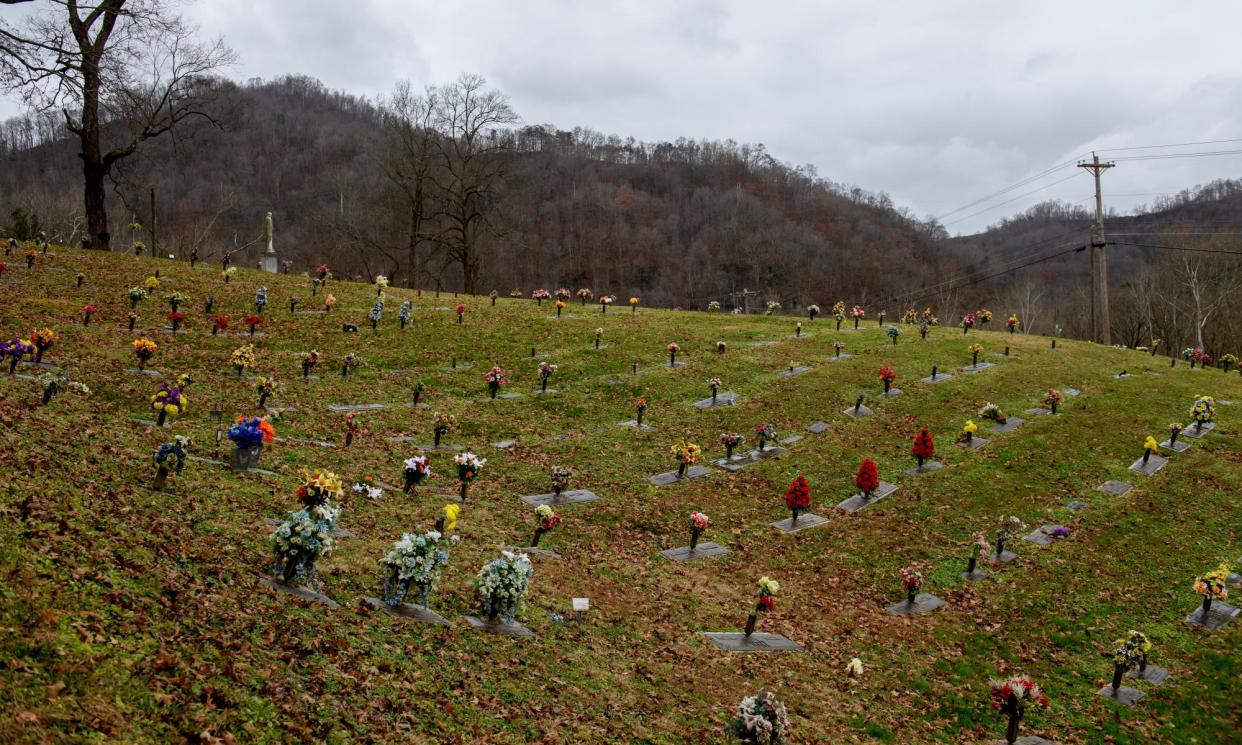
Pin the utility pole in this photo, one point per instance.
(153, 234)
(1101, 321)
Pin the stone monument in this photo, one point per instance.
(268, 262)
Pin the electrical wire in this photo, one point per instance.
(1176, 248)
(1010, 201)
(1007, 189)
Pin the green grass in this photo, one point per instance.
(133, 616)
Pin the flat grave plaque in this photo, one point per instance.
(835, 357)
(670, 477)
(542, 392)
(1193, 431)
(572, 496)
(1177, 447)
(504, 444)
(533, 551)
(724, 398)
(508, 396)
(861, 412)
(148, 372)
(1028, 740)
(859, 502)
(1076, 505)
(808, 520)
(791, 439)
(1004, 558)
(297, 591)
(816, 428)
(769, 451)
(979, 574)
(634, 423)
(1071, 392)
(975, 443)
(1152, 674)
(794, 372)
(502, 628)
(1154, 464)
(1122, 374)
(1010, 425)
(1116, 488)
(676, 364)
(151, 423)
(940, 378)
(1124, 695)
(927, 467)
(356, 407)
(1039, 411)
(762, 343)
(461, 366)
(1221, 614)
(702, 551)
(924, 602)
(413, 612)
(300, 441)
(1042, 536)
(419, 405)
(1234, 580)
(892, 393)
(976, 368)
(737, 641)
(735, 463)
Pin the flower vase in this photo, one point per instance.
(729, 452)
(13, 364)
(493, 389)
(1118, 671)
(681, 470)
(159, 420)
(305, 370)
(538, 535)
(1000, 548)
(291, 568)
(349, 438)
(1052, 406)
(39, 358)
(672, 359)
(161, 476)
(543, 385)
(262, 400)
(763, 443)
(437, 436)
(464, 486)
(910, 594)
(794, 519)
(131, 323)
(974, 359)
(1011, 730)
(919, 459)
(245, 459)
(838, 324)
(344, 370)
(1146, 457)
(47, 396)
(713, 396)
(970, 563)
(694, 538)
(886, 385)
(1207, 608)
(639, 419)
(409, 485)
(751, 620)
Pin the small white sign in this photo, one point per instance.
(582, 605)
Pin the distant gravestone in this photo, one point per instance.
(671, 477)
(857, 412)
(502, 628)
(1010, 425)
(940, 378)
(298, 591)
(973, 443)
(724, 398)
(804, 521)
(737, 641)
(1116, 488)
(927, 467)
(976, 367)
(702, 551)
(1195, 431)
(1154, 463)
(1220, 614)
(924, 602)
(816, 428)
(1124, 695)
(793, 372)
(413, 612)
(861, 502)
(572, 496)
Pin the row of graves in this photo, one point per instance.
(412, 566)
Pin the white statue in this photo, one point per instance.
(268, 261)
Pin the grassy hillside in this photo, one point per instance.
(130, 615)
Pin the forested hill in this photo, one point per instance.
(680, 222)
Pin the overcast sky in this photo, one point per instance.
(936, 103)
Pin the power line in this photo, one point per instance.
(1174, 156)
(1156, 147)
(1010, 201)
(1007, 189)
(1179, 248)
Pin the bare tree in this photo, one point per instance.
(121, 72)
(409, 120)
(1210, 283)
(470, 152)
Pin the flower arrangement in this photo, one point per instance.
(713, 306)
(698, 523)
(1013, 323)
(1212, 586)
(175, 451)
(563, 293)
(460, 310)
(168, 400)
(260, 298)
(15, 349)
(136, 295)
(730, 440)
(771, 307)
(247, 433)
(349, 363)
(993, 412)
(415, 470)
(1007, 527)
(151, 283)
(502, 585)
(376, 312)
(633, 305)
(975, 351)
(857, 313)
(243, 358)
(309, 360)
(761, 720)
(300, 541)
(545, 371)
(968, 431)
(585, 295)
(798, 496)
(495, 378)
(686, 454)
(88, 311)
(515, 293)
(924, 446)
(144, 350)
(403, 313)
(366, 485)
(52, 384)
(416, 560)
(540, 295)
(381, 282)
(1149, 447)
(837, 346)
(1011, 697)
(1202, 412)
(911, 316)
(887, 376)
(329, 302)
(1228, 362)
(984, 315)
(560, 307)
(766, 602)
(1052, 399)
(252, 321)
(968, 322)
(560, 477)
(867, 478)
(468, 467)
(441, 424)
(351, 427)
(43, 340)
(265, 388)
(175, 318)
(219, 323)
(979, 546)
(321, 272)
(812, 310)
(604, 302)
(893, 332)
(765, 431)
(227, 273)
(640, 406)
(911, 582)
(546, 520)
(447, 522)
(673, 349)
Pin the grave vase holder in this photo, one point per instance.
(694, 537)
(1015, 719)
(974, 359)
(438, 434)
(1118, 671)
(855, 322)
(1207, 608)
(493, 388)
(13, 364)
(395, 589)
(39, 356)
(245, 459)
(672, 359)
(131, 323)
(538, 536)
(161, 477)
(751, 620)
(910, 595)
(971, 563)
(159, 420)
(465, 485)
(681, 470)
(729, 452)
(1000, 547)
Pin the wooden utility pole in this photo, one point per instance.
(153, 251)
(1101, 321)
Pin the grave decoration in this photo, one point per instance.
(1052, 399)
(585, 295)
(349, 363)
(52, 384)
(1212, 586)
(887, 376)
(764, 431)
(260, 299)
(43, 340)
(893, 332)
(441, 424)
(515, 293)
(315, 283)
(243, 358)
(168, 400)
(798, 329)
(930, 318)
(992, 412)
(714, 384)
(812, 311)
(968, 432)
(545, 371)
(1142, 650)
(349, 328)
(417, 391)
(151, 283)
(673, 349)
(867, 479)
(768, 588)
(924, 447)
(604, 302)
(599, 333)
(798, 496)
(1011, 697)
(209, 302)
(968, 322)
(321, 273)
(381, 283)
(309, 360)
(560, 476)
(923, 330)
(248, 435)
(88, 311)
(771, 307)
(351, 427)
(175, 299)
(495, 378)
(713, 306)
(1202, 412)
(985, 317)
(468, 467)
(857, 313)
(911, 316)
(219, 323)
(699, 522)
(911, 582)
(377, 310)
(1126, 654)
(175, 318)
(633, 305)
(721, 347)
(132, 318)
(560, 307)
(144, 350)
(366, 485)
(414, 471)
(546, 520)
(540, 295)
(975, 351)
(640, 407)
(403, 313)
(329, 302)
(447, 521)
(686, 454)
(502, 586)
(880, 318)
(1008, 526)
(227, 273)
(730, 440)
(253, 321)
(30, 258)
(1228, 362)
(562, 293)
(1155, 343)
(169, 455)
(1192, 355)
(1175, 429)
(1013, 323)
(80, 279)
(286, 265)
(979, 546)
(414, 562)
(307, 535)
(184, 381)
(136, 295)
(760, 720)
(1150, 446)
(837, 346)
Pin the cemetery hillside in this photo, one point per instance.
(245, 506)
